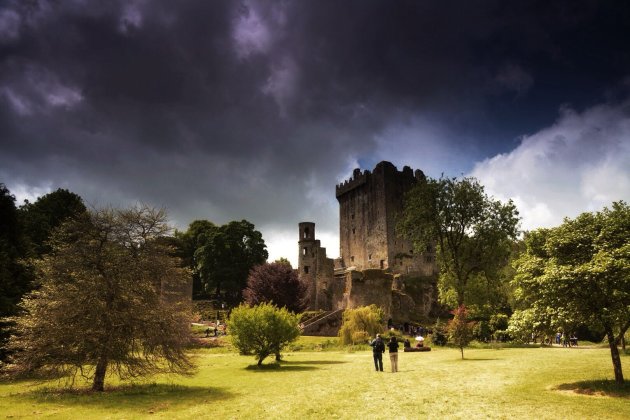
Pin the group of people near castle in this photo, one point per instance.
(378, 348)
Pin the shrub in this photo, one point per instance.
(440, 334)
(366, 320)
(262, 330)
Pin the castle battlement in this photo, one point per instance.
(358, 178)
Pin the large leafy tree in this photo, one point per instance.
(263, 330)
(15, 277)
(276, 283)
(107, 301)
(472, 231)
(187, 243)
(580, 271)
(227, 256)
(49, 211)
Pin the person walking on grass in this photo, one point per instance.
(393, 353)
(378, 348)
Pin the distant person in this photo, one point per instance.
(378, 348)
(558, 337)
(406, 343)
(393, 353)
(208, 332)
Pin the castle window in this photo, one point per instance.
(370, 257)
(306, 267)
(304, 251)
(352, 258)
(353, 231)
(382, 264)
(428, 259)
(306, 233)
(411, 251)
(352, 216)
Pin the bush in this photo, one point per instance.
(360, 322)
(262, 330)
(440, 334)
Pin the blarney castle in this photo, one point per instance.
(376, 266)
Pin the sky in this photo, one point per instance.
(230, 110)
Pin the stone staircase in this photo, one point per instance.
(325, 324)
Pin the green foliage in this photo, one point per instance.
(48, 212)
(473, 234)
(262, 330)
(460, 331)
(108, 301)
(440, 333)
(227, 255)
(366, 319)
(579, 273)
(187, 244)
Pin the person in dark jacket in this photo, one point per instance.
(393, 353)
(378, 348)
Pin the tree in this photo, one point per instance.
(47, 213)
(359, 324)
(459, 329)
(580, 271)
(188, 243)
(473, 233)
(262, 330)
(15, 276)
(106, 301)
(276, 283)
(224, 260)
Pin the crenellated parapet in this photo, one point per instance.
(358, 178)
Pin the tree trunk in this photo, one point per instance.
(99, 375)
(614, 352)
(462, 350)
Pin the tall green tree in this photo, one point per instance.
(472, 231)
(15, 276)
(227, 256)
(49, 211)
(188, 242)
(107, 301)
(580, 271)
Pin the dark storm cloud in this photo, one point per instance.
(255, 109)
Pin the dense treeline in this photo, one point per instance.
(24, 235)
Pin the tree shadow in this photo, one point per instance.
(313, 362)
(605, 388)
(479, 359)
(279, 367)
(150, 397)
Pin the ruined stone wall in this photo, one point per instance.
(314, 268)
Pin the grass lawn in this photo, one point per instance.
(490, 383)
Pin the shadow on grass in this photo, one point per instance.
(285, 366)
(313, 362)
(607, 388)
(278, 367)
(137, 396)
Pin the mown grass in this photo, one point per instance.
(543, 383)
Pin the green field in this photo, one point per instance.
(542, 383)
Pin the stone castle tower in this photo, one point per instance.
(374, 261)
(369, 205)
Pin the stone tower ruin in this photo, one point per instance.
(375, 264)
